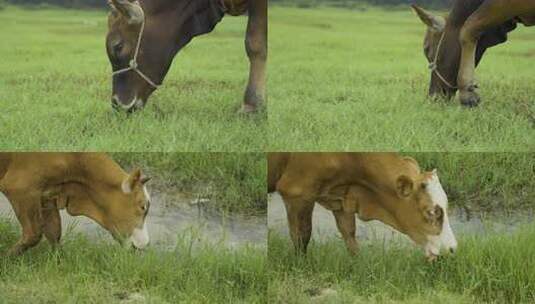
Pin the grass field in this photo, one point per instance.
(497, 268)
(84, 271)
(55, 89)
(236, 182)
(357, 80)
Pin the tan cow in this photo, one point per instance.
(376, 186)
(38, 185)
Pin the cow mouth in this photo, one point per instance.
(432, 254)
(441, 93)
(140, 237)
(432, 258)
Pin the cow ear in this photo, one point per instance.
(113, 8)
(130, 182)
(404, 186)
(412, 162)
(132, 11)
(437, 23)
(144, 179)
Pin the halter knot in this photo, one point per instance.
(133, 64)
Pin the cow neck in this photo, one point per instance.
(195, 18)
(375, 199)
(97, 172)
(462, 10)
(371, 206)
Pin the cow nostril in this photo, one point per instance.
(452, 250)
(137, 249)
(115, 104)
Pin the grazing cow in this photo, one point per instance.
(376, 186)
(38, 185)
(144, 37)
(455, 45)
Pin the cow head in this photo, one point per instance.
(442, 50)
(120, 208)
(421, 212)
(442, 46)
(131, 31)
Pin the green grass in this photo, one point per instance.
(497, 268)
(235, 181)
(484, 181)
(357, 80)
(55, 89)
(85, 271)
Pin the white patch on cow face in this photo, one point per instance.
(147, 194)
(140, 237)
(136, 103)
(125, 186)
(446, 239)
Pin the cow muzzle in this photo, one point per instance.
(139, 238)
(134, 105)
(443, 243)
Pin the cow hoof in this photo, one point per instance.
(247, 109)
(13, 251)
(354, 252)
(432, 258)
(469, 99)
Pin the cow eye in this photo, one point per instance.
(117, 48)
(435, 216)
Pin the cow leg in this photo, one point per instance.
(489, 14)
(30, 221)
(256, 47)
(299, 213)
(345, 222)
(50, 218)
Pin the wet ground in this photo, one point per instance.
(324, 225)
(172, 216)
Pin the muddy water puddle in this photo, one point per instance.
(173, 216)
(324, 225)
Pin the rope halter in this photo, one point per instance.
(434, 67)
(133, 66)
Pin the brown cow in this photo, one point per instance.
(376, 186)
(144, 37)
(455, 45)
(38, 185)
